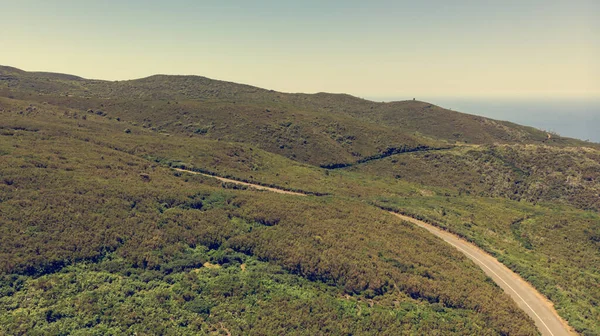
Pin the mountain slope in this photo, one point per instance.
(321, 129)
(72, 148)
(566, 175)
(78, 209)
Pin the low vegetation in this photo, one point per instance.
(95, 221)
(69, 201)
(567, 175)
(554, 247)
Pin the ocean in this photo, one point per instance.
(574, 118)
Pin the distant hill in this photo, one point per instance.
(323, 129)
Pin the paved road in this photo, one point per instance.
(529, 299)
(547, 320)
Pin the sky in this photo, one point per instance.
(435, 48)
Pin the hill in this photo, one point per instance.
(88, 196)
(568, 175)
(77, 209)
(320, 129)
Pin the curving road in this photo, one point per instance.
(528, 298)
(547, 320)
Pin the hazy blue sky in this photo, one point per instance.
(366, 48)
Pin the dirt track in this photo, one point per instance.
(527, 298)
(254, 186)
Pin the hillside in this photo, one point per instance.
(75, 208)
(320, 129)
(87, 196)
(567, 175)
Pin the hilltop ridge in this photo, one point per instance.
(346, 128)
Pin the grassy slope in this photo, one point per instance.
(486, 170)
(70, 197)
(533, 173)
(317, 129)
(554, 247)
(551, 244)
(193, 106)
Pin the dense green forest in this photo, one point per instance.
(99, 236)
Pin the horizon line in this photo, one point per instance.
(383, 98)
